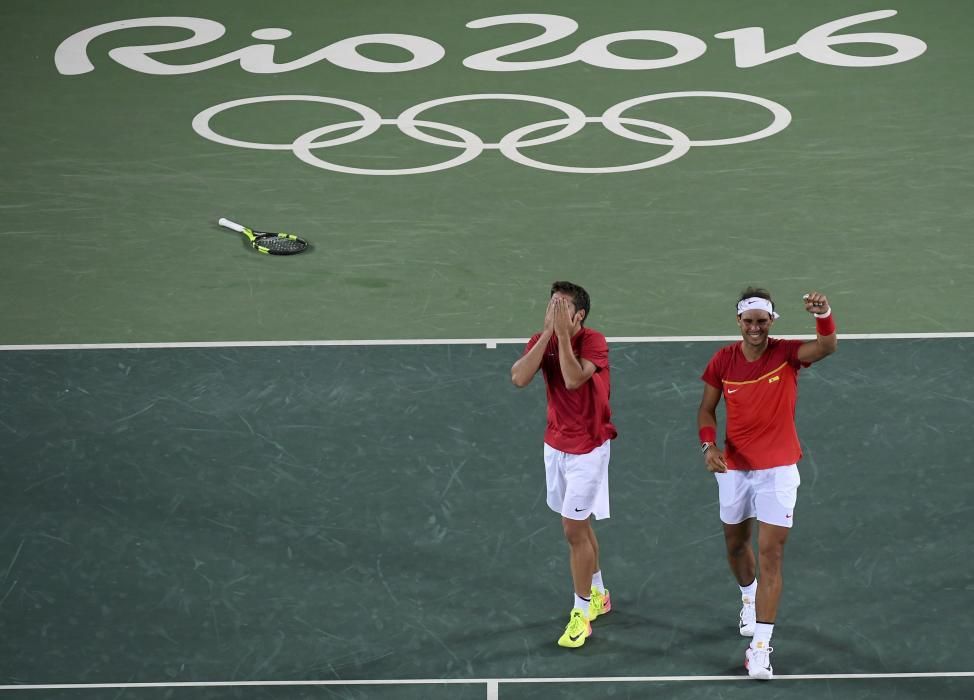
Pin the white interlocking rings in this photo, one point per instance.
(511, 145)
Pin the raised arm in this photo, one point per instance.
(523, 371)
(826, 342)
(574, 371)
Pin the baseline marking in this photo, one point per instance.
(490, 343)
(491, 683)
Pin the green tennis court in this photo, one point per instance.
(232, 475)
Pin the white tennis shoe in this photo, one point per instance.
(757, 661)
(748, 617)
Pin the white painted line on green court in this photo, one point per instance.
(489, 343)
(490, 682)
(268, 344)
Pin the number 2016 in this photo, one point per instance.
(71, 57)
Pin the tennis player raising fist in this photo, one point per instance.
(757, 471)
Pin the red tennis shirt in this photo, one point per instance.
(578, 420)
(760, 397)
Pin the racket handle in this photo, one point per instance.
(226, 223)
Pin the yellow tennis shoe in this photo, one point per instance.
(599, 603)
(577, 631)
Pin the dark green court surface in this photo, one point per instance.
(378, 513)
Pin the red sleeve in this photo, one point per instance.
(714, 371)
(595, 349)
(791, 353)
(531, 343)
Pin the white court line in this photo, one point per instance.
(491, 683)
(487, 342)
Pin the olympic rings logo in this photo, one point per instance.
(510, 145)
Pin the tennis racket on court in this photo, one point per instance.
(267, 242)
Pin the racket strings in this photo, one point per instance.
(281, 244)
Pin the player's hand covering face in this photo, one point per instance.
(564, 314)
(549, 316)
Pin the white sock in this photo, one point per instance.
(581, 603)
(597, 581)
(750, 592)
(762, 633)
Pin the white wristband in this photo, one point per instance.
(825, 315)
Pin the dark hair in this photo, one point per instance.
(758, 292)
(579, 296)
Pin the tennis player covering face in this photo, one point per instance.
(757, 471)
(575, 363)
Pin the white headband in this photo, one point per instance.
(756, 303)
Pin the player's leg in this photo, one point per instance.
(601, 601)
(595, 548)
(737, 513)
(585, 494)
(580, 537)
(776, 493)
(771, 550)
(740, 558)
(556, 481)
(740, 553)
(581, 558)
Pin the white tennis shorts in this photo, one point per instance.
(578, 485)
(766, 494)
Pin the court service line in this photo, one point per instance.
(487, 342)
(490, 682)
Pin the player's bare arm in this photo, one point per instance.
(707, 418)
(567, 322)
(523, 371)
(826, 341)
